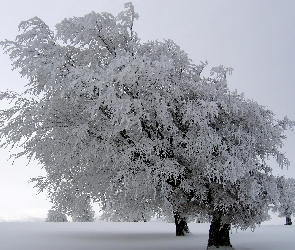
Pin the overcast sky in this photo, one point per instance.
(256, 38)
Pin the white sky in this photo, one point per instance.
(256, 38)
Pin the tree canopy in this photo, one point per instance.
(132, 124)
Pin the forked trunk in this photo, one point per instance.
(181, 225)
(218, 232)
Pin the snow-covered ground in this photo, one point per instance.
(137, 236)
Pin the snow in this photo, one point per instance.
(137, 235)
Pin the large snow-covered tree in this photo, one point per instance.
(130, 124)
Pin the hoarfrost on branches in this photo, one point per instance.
(130, 124)
(286, 205)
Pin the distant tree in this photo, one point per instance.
(131, 124)
(56, 216)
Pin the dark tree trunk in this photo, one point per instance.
(181, 225)
(186, 229)
(288, 220)
(218, 232)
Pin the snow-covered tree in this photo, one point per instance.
(56, 216)
(136, 125)
(286, 205)
(241, 186)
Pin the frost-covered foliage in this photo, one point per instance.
(286, 205)
(56, 216)
(82, 210)
(134, 125)
(130, 209)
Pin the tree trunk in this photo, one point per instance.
(288, 220)
(181, 225)
(218, 232)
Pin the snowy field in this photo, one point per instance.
(137, 236)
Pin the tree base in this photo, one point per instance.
(219, 233)
(288, 221)
(181, 225)
(220, 248)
